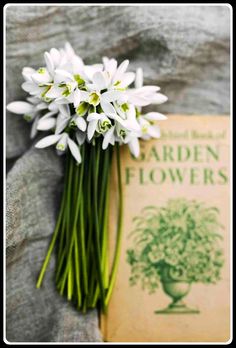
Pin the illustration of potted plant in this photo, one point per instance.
(175, 246)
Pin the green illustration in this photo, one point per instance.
(175, 246)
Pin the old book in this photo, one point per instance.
(173, 282)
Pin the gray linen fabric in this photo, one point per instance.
(185, 50)
(33, 315)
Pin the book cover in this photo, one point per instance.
(173, 282)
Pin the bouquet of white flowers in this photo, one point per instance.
(87, 109)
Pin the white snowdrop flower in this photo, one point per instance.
(61, 140)
(147, 129)
(117, 77)
(96, 94)
(65, 89)
(132, 141)
(29, 112)
(109, 138)
(79, 102)
(79, 121)
(97, 122)
(80, 137)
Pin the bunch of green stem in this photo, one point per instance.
(81, 232)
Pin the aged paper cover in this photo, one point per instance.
(190, 163)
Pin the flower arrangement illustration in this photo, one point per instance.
(87, 112)
(176, 245)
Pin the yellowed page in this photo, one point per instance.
(191, 161)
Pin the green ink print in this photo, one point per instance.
(176, 246)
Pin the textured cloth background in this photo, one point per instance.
(184, 50)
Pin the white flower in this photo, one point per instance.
(97, 122)
(29, 111)
(87, 101)
(117, 78)
(62, 140)
(97, 96)
(144, 95)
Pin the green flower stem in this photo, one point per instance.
(89, 247)
(68, 217)
(96, 219)
(55, 234)
(74, 229)
(102, 204)
(83, 251)
(77, 272)
(105, 239)
(119, 230)
(62, 233)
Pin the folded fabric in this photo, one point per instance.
(37, 315)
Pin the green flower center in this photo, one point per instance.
(28, 118)
(60, 147)
(125, 107)
(82, 109)
(104, 126)
(78, 79)
(94, 98)
(41, 71)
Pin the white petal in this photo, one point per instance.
(127, 79)
(81, 123)
(146, 90)
(154, 131)
(54, 92)
(53, 106)
(27, 72)
(155, 116)
(77, 97)
(48, 114)
(62, 100)
(111, 96)
(134, 147)
(33, 100)
(41, 78)
(30, 87)
(89, 70)
(91, 129)
(159, 98)
(62, 75)
(120, 71)
(62, 143)
(93, 116)
(77, 65)
(108, 138)
(49, 62)
(20, 107)
(42, 106)
(99, 80)
(55, 56)
(61, 123)
(47, 141)
(69, 50)
(139, 78)
(132, 122)
(74, 148)
(34, 131)
(110, 65)
(138, 100)
(123, 66)
(46, 124)
(108, 108)
(84, 96)
(64, 109)
(80, 137)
